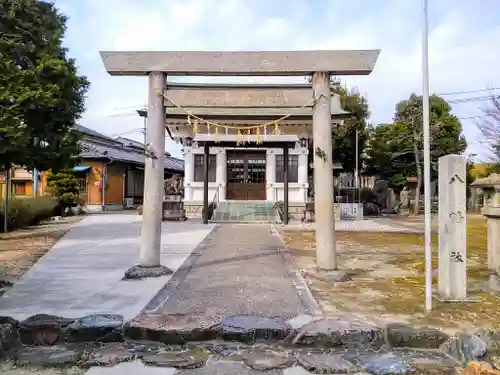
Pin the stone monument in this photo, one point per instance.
(173, 205)
(404, 205)
(452, 284)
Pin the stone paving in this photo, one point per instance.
(82, 273)
(240, 271)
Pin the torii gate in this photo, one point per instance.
(158, 65)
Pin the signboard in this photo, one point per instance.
(349, 211)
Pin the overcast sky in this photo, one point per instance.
(463, 47)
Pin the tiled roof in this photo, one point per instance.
(120, 149)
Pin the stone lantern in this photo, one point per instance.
(491, 190)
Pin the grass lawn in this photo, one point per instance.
(389, 281)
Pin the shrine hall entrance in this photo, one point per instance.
(246, 175)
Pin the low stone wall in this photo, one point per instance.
(193, 210)
(190, 341)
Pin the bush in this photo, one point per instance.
(279, 206)
(28, 211)
(66, 188)
(371, 209)
(367, 195)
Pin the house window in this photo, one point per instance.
(19, 188)
(199, 169)
(293, 168)
(82, 184)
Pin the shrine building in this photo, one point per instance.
(246, 130)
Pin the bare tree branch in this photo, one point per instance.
(489, 126)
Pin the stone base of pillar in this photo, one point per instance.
(141, 272)
(335, 276)
(494, 282)
(440, 298)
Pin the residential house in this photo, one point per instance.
(119, 162)
(21, 183)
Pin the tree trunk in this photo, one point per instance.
(416, 152)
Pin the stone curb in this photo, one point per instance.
(307, 299)
(162, 296)
(303, 332)
(69, 340)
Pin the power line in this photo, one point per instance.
(468, 92)
(469, 100)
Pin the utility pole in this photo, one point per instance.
(356, 172)
(6, 201)
(427, 160)
(144, 114)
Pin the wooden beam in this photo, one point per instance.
(248, 63)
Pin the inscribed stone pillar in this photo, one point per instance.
(153, 174)
(452, 228)
(326, 258)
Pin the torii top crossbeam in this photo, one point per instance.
(248, 63)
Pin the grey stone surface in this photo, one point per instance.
(110, 355)
(9, 337)
(383, 364)
(188, 359)
(326, 364)
(204, 358)
(265, 360)
(403, 335)
(208, 96)
(240, 272)
(54, 356)
(141, 272)
(300, 63)
(82, 273)
(336, 332)
(334, 276)
(43, 329)
(251, 328)
(465, 347)
(99, 327)
(494, 283)
(172, 329)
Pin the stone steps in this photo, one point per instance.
(244, 212)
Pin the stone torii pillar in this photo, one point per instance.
(149, 261)
(326, 257)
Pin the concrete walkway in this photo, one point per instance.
(82, 273)
(240, 271)
(380, 224)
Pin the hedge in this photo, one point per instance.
(24, 212)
